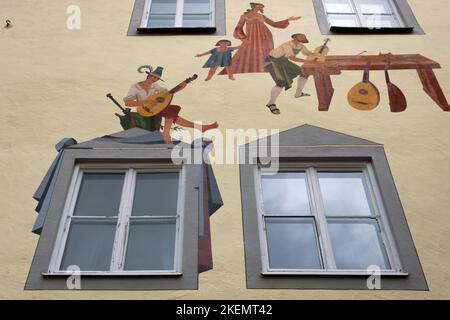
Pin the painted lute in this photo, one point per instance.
(397, 100)
(365, 95)
(157, 102)
(320, 53)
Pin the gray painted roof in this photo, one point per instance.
(131, 138)
(309, 135)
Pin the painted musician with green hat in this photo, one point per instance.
(140, 91)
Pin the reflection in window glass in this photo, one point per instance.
(163, 6)
(285, 193)
(161, 21)
(151, 245)
(343, 20)
(375, 6)
(376, 21)
(345, 193)
(292, 243)
(173, 13)
(99, 194)
(196, 20)
(89, 245)
(371, 14)
(338, 6)
(357, 244)
(156, 194)
(197, 6)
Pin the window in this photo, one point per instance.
(321, 211)
(121, 221)
(365, 16)
(152, 17)
(128, 211)
(323, 219)
(178, 13)
(363, 13)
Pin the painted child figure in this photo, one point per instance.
(220, 57)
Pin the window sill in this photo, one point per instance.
(177, 30)
(333, 273)
(111, 274)
(361, 30)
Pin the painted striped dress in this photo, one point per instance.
(250, 58)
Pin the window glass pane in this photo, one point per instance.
(163, 6)
(376, 21)
(156, 194)
(345, 193)
(375, 6)
(161, 21)
(285, 193)
(196, 20)
(99, 194)
(357, 244)
(151, 245)
(338, 6)
(197, 6)
(343, 20)
(292, 243)
(89, 245)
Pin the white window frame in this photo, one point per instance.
(321, 226)
(123, 220)
(178, 15)
(360, 16)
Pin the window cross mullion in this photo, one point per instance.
(146, 13)
(65, 223)
(359, 14)
(123, 221)
(380, 216)
(179, 14)
(322, 227)
(265, 215)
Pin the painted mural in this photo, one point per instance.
(153, 100)
(252, 30)
(220, 56)
(365, 95)
(289, 64)
(280, 64)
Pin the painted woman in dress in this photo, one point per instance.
(220, 57)
(259, 40)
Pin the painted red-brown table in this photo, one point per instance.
(333, 65)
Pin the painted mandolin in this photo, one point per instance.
(397, 100)
(365, 95)
(157, 102)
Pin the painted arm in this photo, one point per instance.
(280, 24)
(239, 30)
(243, 44)
(283, 24)
(306, 51)
(136, 103)
(203, 54)
(296, 59)
(132, 103)
(130, 99)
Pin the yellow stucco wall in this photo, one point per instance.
(53, 83)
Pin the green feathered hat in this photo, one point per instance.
(155, 73)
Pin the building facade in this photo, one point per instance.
(60, 59)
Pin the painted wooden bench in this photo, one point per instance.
(334, 65)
